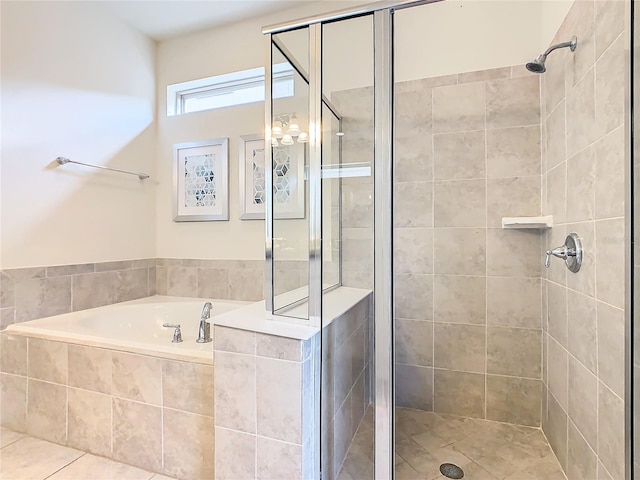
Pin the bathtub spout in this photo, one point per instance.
(204, 331)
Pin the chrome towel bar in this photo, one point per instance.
(63, 161)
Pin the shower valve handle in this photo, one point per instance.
(561, 252)
(177, 334)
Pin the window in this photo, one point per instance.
(237, 88)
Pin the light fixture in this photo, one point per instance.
(276, 130)
(274, 142)
(340, 134)
(294, 128)
(286, 127)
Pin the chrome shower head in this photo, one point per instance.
(538, 65)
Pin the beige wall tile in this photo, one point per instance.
(357, 250)
(579, 22)
(513, 102)
(182, 281)
(414, 296)
(278, 459)
(188, 386)
(13, 354)
(89, 421)
(48, 360)
(484, 75)
(609, 23)
(279, 347)
(246, 284)
(459, 393)
(514, 351)
(459, 299)
(357, 205)
(113, 266)
(136, 377)
(414, 387)
(558, 327)
(583, 401)
(413, 204)
(581, 170)
(611, 347)
(234, 340)
(47, 411)
(414, 342)
(188, 441)
(513, 302)
(42, 297)
(558, 372)
(515, 196)
(448, 338)
(582, 329)
(460, 251)
(413, 160)
(161, 280)
(611, 431)
(93, 290)
(7, 290)
(131, 284)
(584, 281)
(7, 317)
(513, 152)
(460, 203)
(555, 135)
(581, 131)
(459, 155)
(413, 105)
(553, 81)
(610, 235)
(582, 461)
(279, 399)
(413, 250)
(137, 434)
(13, 402)
(556, 431)
(610, 174)
(235, 391)
(213, 283)
(527, 263)
(90, 368)
(514, 400)
(556, 193)
(458, 108)
(610, 85)
(235, 455)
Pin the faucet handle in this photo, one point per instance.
(177, 334)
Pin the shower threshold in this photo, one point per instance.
(484, 449)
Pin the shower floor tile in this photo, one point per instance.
(484, 449)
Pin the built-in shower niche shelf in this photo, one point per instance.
(533, 223)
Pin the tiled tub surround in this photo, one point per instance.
(145, 411)
(583, 187)
(266, 404)
(29, 293)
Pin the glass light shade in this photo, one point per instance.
(276, 130)
(303, 137)
(274, 142)
(294, 129)
(287, 140)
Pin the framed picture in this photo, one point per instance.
(288, 179)
(201, 181)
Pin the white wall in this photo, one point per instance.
(81, 84)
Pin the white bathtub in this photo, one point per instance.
(134, 326)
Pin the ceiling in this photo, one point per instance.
(160, 19)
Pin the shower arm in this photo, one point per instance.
(555, 47)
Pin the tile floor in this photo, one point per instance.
(484, 449)
(55, 462)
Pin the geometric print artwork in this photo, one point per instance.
(281, 176)
(199, 181)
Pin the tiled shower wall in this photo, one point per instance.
(468, 322)
(583, 165)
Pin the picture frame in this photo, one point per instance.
(201, 181)
(289, 194)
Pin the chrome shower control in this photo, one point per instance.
(177, 334)
(570, 252)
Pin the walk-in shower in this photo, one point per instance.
(475, 355)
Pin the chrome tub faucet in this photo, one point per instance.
(204, 331)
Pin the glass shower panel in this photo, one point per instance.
(347, 433)
(290, 130)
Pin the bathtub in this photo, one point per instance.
(134, 326)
